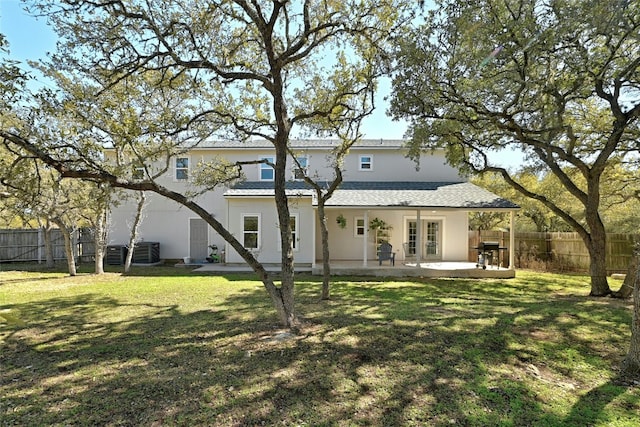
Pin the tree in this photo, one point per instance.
(95, 216)
(12, 84)
(533, 215)
(245, 69)
(619, 203)
(137, 219)
(481, 77)
(325, 189)
(41, 193)
(631, 364)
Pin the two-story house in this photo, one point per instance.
(423, 212)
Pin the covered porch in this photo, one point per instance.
(427, 228)
(425, 223)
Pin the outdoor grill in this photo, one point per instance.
(485, 253)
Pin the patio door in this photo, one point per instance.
(430, 239)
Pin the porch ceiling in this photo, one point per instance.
(433, 195)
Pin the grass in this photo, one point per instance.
(164, 346)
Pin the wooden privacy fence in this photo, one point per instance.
(27, 245)
(556, 251)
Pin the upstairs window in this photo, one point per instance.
(365, 163)
(138, 173)
(299, 172)
(182, 168)
(266, 172)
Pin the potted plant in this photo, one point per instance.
(382, 231)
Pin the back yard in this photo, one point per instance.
(163, 346)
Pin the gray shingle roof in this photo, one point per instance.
(304, 143)
(442, 195)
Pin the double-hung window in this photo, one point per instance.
(182, 169)
(300, 169)
(295, 236)
(365, 163)
(359, 227)
(293, 224)
(138, 173)
(266, 171)
(251, 231)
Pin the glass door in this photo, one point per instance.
(411, 241)
(432, 238)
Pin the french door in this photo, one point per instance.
(430, 239)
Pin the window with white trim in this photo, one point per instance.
(295, 236)
(266, 172)
(251, 231)
(138, 173)
(299, 172)
(358, 227)
(365, 163)
(293, 224)
(182, 169)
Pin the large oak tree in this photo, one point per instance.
(245, 69)
(558, 81)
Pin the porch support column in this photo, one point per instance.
(366, 238)
(512, 239)
(418, 239)
(313, 238)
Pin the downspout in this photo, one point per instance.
(366, 238)
(418, 239)
(226, 244)
(314, 226)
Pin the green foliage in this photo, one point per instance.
(559, 90)
(12, 84)
(478, 78)
(381, 230)
(619, 204)
(313, 64)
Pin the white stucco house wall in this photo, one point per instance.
(427, 208)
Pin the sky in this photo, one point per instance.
(30, 39)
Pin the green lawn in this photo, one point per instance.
(164, 346)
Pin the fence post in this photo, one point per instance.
(74, 245)
(40, 245)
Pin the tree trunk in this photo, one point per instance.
(133, 237)
(283, 297)
(596, 245)
(68, 247)
(326, 267)
(100, 241)
(626, 290)
(48, 246)
(631, 364)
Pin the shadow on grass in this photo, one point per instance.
(378, 353)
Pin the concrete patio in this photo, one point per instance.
(356, 268)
